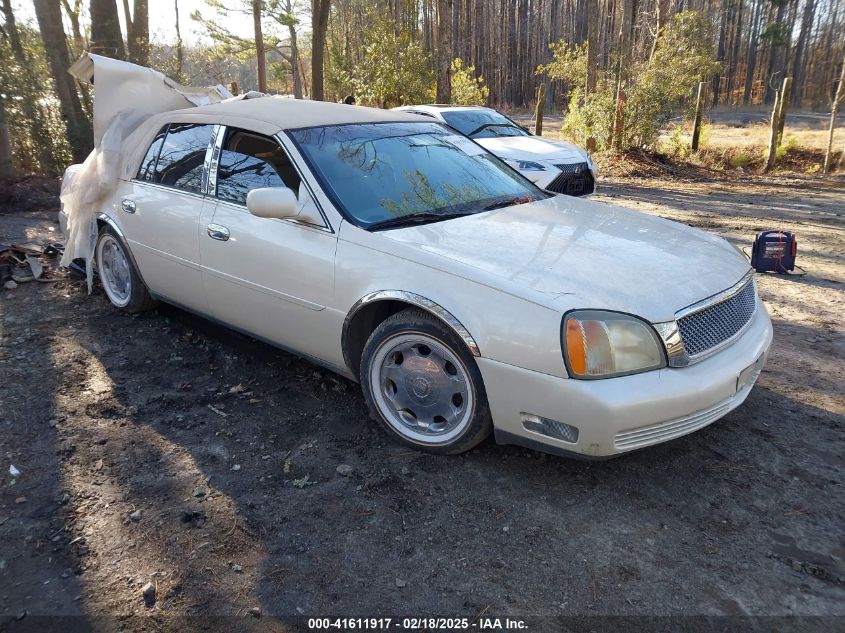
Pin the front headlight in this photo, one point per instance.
(603, 344)
(525, 165)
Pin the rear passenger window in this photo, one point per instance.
(148, 165)
(180, 162)
(251, 161)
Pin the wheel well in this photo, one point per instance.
(368, 317)
(363, 322)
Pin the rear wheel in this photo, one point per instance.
(423, 385)
(121, 281)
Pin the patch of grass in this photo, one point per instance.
(740, 159)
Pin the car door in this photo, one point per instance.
(270, 277)
(162, 209)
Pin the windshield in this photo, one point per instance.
(387, 173)
(482, 123)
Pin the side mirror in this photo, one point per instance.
(272, 202)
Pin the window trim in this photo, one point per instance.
(201, 193)
(213, 166)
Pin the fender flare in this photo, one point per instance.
(414, 299)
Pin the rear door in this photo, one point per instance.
(270, 277)
(162, 210)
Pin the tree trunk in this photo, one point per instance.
(798, 61)
(319, 24)
(73, 14)
(138, 34)
(751, 64)
(260, 53)
(79, 131)
(775, 55)
(106, 38)
(180, 54)
(444, 50)
(834, 107)
(662, 17)
(6, 167)
(294, 52)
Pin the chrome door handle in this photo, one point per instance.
(218, 232)
(128, 205)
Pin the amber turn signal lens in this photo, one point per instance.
(576, 347)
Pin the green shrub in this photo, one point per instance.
(653, 90)
(467, 89)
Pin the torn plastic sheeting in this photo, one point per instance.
(85, 188)
(120, 85)
(125, 95)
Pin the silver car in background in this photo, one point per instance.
(556, 166)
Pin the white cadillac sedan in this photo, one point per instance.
(556, 166)
(466, 300)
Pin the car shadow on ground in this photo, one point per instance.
(230, 450)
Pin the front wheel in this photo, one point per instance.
(422, 384)
(121, 281)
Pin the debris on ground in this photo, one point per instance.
(13, 471)
(22, 263)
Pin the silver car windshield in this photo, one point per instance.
(389, 174)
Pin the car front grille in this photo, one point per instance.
(574, 179)
(711, 326)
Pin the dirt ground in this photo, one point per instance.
(163, 449)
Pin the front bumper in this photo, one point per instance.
(617, 415)
(555, 180)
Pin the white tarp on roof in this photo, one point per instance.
(120, 86)
(125, 95)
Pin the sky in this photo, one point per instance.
(163, 18)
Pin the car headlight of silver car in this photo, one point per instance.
(525, 165)
(603, 344)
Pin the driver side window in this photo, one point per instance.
(252, 161)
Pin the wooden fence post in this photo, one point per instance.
(541, 105)
(784, 106)
(699, 111)
(773, 138)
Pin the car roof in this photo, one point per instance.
(289, 113)
(440, 107)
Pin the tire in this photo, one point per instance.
(422, 384)
(118, 275)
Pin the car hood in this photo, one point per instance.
(531, 148)
(566, 253)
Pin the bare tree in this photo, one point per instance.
(106, 38)
(319, 24)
